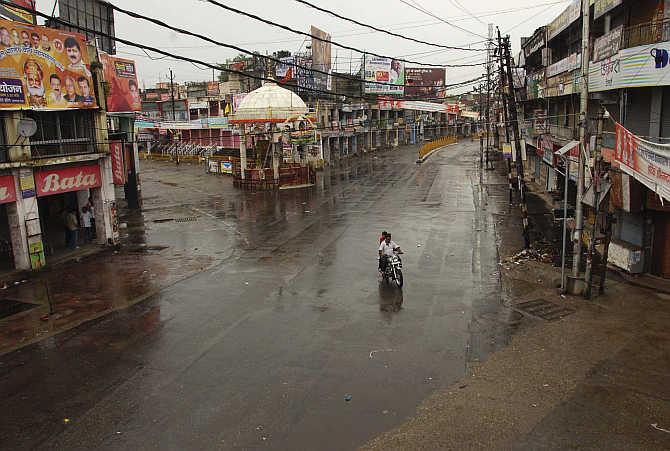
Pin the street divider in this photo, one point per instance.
(429, 148)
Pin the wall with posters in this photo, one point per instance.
(321, 56)
(124, 92)
(424, 82)
(636, 67)
(387, 71)
(43, 68)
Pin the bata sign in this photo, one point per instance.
(64, 180)
(7, 189)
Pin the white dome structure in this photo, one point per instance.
(269, 103)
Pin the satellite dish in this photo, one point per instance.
(27, 127)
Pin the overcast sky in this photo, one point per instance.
(518, 17)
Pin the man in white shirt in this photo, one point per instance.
(387, 248)
(86, 223)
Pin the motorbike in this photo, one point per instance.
(393, 270)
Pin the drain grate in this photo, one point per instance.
(9, 307)
(189, 219)
(160, 221)
(544, 309)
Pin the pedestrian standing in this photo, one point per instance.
(73, 227)
(92, 210)
(86, 224)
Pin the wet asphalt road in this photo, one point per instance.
(260, 351)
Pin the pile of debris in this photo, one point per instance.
(540, 251)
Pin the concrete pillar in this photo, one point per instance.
(243, 151)
(21, 151)
(656, 111)
(608, 23)
(23, 215)
(104, 204)
(275, 161)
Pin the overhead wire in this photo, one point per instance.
(380, 30)
(193, 60)
(420, 8)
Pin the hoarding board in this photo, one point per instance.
(18, 14)
(321, 56)
(601, 7)
(281, 69)
(43, 68)
(424, 82)
(565, 19)
(607, 45)
(384, 76)
(124, 92)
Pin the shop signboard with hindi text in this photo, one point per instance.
(384, 76)
(607, 45)
(535, 42)
(567, 64)
(636, 67)
(43, 68)
(19, 14)
(7, 189)
(124, 92)
(424, 82)
(67, 179)
(601, 7)
(565, 19)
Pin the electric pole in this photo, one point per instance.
(583, 115)
(514, 119)
(505, 100)
(174, 114)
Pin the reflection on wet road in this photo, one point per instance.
(291, 342)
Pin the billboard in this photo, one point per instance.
(124, 93)
(321, 57)
(43, 68)
(565, 19)
(17, 14)
(423, 82)
(282, 68)
(213, 89)
(384, 76)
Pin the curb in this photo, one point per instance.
(429, 154)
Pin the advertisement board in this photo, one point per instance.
(64, 180)
(424, 82)
(18, 14)
(124, 92)
(637, 67)
(213, 89)
(601, 7)
(321, 56)
(607, 45)
(565, 19)
(387, 71)
(567, 64)
(7, 189)
(535, 42)
(43, 68)
(118, 167)
(304, 73)
(281, 69)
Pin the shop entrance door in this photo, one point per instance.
(52, 218)
(6, 252)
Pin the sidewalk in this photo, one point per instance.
(593, 375)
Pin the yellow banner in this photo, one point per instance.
(43, 68)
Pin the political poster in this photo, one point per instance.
(424, 82)
(43, 68)
(18, 14)
(124, 93)
(384, 76)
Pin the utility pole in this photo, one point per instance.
(488, 105)
(514, 119)
(583, 116)
(174, 114)
(596, 183)
(505, 100)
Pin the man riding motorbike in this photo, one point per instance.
(387, 249)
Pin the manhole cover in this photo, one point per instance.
(544, 309)
(190, 219)
(9, 307)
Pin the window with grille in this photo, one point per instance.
(63, 133)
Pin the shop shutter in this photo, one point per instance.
(637, 111)
(665, 117)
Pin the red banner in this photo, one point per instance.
(118, 169)
(65, 180)
(626, 147)
(124, 92)
(7, 189)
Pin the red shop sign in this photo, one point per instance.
(118, 168)
(7, 189)
(65, 180)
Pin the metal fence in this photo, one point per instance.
(646, 33)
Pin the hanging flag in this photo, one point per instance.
(226, 111)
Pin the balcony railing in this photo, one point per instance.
(646, 33)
